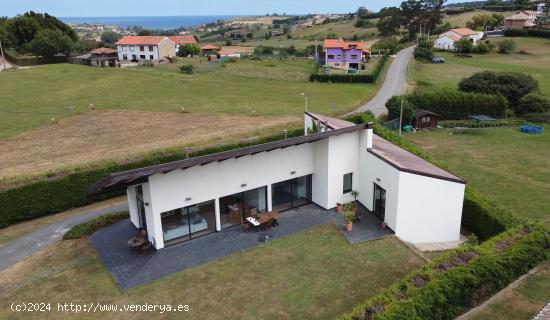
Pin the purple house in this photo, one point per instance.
(344, 55)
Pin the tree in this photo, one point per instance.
(421, 14)
(390, 21)
(110, 37)
(506, 46)
(189, 50)
(48, 43)
(512, 85)
(464, 46)
(362, 13)
(532, 103)
(421, 53)
(394, 109)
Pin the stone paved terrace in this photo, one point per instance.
(131, 269)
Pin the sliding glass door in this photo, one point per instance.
(190, 222)
(291, 193)
(379, 202)
(235, 208)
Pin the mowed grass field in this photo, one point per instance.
(535, 61)
(315, 274)
(35, 97)
(509, 167)
(460, 20)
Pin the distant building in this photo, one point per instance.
(145, 48)
(424, 119)
(182, 40)
(104, 57)
(446, 40)
(210, 49)
(521, 20)
(344, 55)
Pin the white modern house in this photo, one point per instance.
(186, 199)
(145, 48)
(446, 40)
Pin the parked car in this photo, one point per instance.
(438, 60)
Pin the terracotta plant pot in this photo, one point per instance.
(349, 226)
(339, 207)
(384, 225)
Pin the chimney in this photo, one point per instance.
(369, 135)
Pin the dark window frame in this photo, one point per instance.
(347, 189)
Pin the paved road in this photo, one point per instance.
(394, 84)
(21, 248)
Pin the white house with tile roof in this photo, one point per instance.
(446, 40)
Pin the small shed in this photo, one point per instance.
(424, 119)
(104, 57)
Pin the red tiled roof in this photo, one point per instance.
(210, 47)
(452, 36)
(464, 31)
(518, 17)
(140, 40)
(342, 44)
(188, 39)
(104, 51)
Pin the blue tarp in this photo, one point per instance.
(531, 129)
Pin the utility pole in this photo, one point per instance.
(3, 58)
(401, 110)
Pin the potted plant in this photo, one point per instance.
(349, 215)
(339, 207)
(384, 225)
(355, 194)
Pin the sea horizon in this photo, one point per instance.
(151, 22)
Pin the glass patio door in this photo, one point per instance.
(379, 202)
(291, 193)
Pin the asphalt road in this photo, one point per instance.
(23, 247)
(394, 84)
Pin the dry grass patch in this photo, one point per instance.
(121, 135)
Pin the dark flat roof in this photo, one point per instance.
(120, 180)
(332, 123)
(406, 161)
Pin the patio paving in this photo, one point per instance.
(131, 269)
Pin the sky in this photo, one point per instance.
(102, 8)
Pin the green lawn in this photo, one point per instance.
(536, 63)
(243, 88)
(315, 274)
(509, 167)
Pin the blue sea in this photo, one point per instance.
(159, 22)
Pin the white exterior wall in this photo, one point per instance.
(129, 51)
(444, 43)
(132, 205)
(430, 210)
(152, 215)
(343, 158)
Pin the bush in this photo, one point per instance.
(390, 44)
(464, 46)
(506, 46)
(458, 280)
(532, 103)
(538, 117)
(394, 109)
(187, 68)
(89, 227)
(482, 47)
(451, 104)
(512, 85)
(61, 193)
(540, 33)
(423, 54)
(351, 78)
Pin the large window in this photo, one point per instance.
(291, 193)
(190, 222)
(237, 207)
(331, 56)
(151, 48)
(141, 48)
(348, 182)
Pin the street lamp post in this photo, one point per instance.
(305, 95)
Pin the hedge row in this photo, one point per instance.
(540, 33)
(460, 279)
(452, 104)
(58, 194)
(352, 78)
(87, 228)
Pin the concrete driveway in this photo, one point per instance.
(394, 84)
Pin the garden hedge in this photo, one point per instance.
(453, 104)
(540, 33)
(57, 194)
(87, 228)
(352, 78)
(460, 279)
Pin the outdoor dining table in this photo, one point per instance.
(263, 220)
